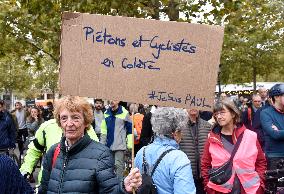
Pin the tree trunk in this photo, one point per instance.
(173, 12)
(254, 78)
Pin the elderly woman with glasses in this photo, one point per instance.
(173, 174)
(248, 163)
(78, 164)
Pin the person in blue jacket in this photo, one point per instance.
(272, 122)
(7, 129)
(173, 175)
(11, 180)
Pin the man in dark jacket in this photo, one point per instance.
(272, 122)
(192, 143)
(251, 117)
(78, 164)
(248, 116)
(7, 129)
(257, 124)
(262, 91)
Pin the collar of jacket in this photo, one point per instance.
(165, 141)
(215, 133)
(190, 123)
(77, 147)
(119, 111)
(278, 110)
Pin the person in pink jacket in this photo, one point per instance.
(249, 163)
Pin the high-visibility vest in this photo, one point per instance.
(243, 164)
(138, 118)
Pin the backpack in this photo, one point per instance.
(148, 186)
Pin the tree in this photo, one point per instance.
(13, 76)
(34, 32)
(253, 41)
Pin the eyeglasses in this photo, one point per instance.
(73, 118)
(221, 113)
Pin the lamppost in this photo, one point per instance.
(219, 81)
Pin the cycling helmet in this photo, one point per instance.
(276, 90)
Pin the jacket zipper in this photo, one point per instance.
(65, 161)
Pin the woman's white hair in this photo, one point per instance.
(166, 120)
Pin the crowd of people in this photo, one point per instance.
(83, 147)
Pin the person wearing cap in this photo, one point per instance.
(173, 174)
(272, 122)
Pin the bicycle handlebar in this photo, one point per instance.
(274, 172)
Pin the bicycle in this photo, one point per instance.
(275, 180)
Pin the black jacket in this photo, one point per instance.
(87, 167)
(146, 131)
(7, 131)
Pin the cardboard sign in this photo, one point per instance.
(140, 60)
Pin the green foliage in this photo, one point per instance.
(30, 35)
(253, 41)
(13, 75)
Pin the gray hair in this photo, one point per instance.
(133, 108)
(255, 96)
(166, 120)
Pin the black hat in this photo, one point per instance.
(276, 90)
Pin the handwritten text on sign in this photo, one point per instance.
(105, 37)
(192, 101)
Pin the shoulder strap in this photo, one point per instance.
(160, 159)
(144, 164)
(237, 145)
(55, 154)
(44, 140)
